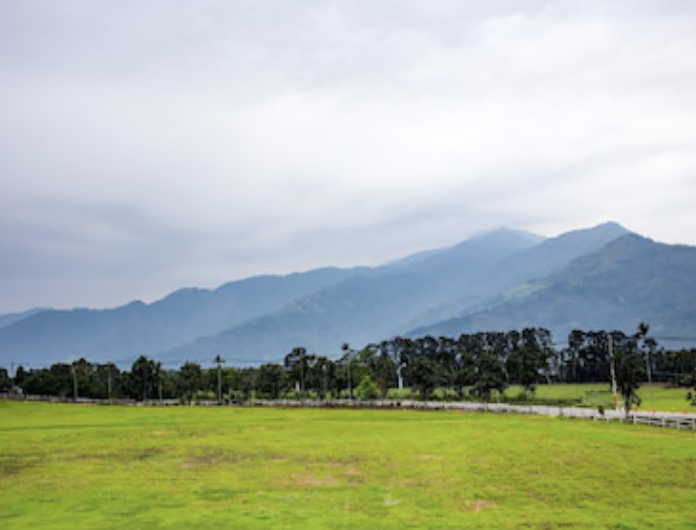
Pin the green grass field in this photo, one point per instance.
(658, 397)
(81, 466)
(655, 397)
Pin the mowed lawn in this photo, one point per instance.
(81, 466)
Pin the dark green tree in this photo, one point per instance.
(84, 384)
(247, 381)
(424, 375)
(528, 359)
(270, 381)
(592, 362)
(297, 364)
(189, 380)
(322, 375)
(448, 358)
(20, 375)
(490, 374)
(381, 366)
(691, 394)
(465, 370)
(359, 365)
(107, 381)
(335, 377)
(59, 381)
(681, 363)
(629, 367)
(143, 378)
(232, 381)
(41, 382)
(5, 381)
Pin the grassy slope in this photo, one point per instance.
(66, 466)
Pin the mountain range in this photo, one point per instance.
(604, 277)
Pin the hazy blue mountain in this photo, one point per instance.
(594, 278)
(11, 318)
(548, 256)
(628, 281)
(137, 328)
(367, 307)
(554, 254)
(390, 300)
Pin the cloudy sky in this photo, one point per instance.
(147, 145)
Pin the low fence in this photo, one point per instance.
(86, 401)
(675, 421)
(655, 419)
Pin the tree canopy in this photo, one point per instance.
(478, 365)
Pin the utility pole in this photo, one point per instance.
(350, 385)
(650, 382)
(612, 368)
(108, 381)
(74, 373)
(401, 380)
(346, 348)
(219, 361)
(302, 373)
(648, 344)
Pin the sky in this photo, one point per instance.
(148, 145)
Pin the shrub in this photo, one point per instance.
(367, 389)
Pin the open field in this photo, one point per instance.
(74, 466)
(662, 398)
(656, 397)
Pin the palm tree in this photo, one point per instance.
(345, 347)
(296, 362)
(219, 361)
(650, 344)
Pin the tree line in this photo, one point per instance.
(472, 366)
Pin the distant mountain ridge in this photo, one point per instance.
(601, 277)
(137, 328)
(630, 280)
(367, 307)
(546, 257)
(11, 318)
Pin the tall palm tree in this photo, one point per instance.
(650, 345)
(345, 347)
(219, 361)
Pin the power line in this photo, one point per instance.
(675, 338)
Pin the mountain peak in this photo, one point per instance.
(507, 233)
(611, 227)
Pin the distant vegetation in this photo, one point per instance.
(475, 366)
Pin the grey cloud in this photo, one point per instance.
(150, 145)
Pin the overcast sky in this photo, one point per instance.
(147, 145)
